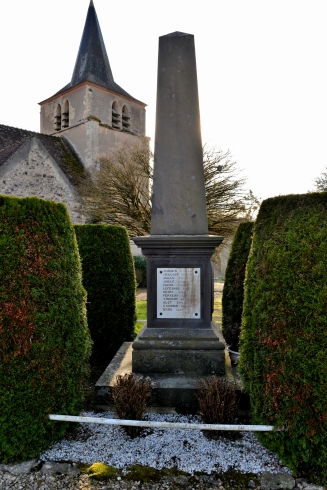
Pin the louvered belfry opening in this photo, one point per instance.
(126, 119)
(57, 118)
(116, 119)
(65, 115)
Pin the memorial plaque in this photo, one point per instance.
(178, 292)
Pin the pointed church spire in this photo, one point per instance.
(92, 63)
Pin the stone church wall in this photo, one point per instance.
(32, 172)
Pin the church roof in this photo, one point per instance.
(11, 139)
(92, 63)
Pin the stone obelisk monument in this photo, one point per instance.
(178, 344)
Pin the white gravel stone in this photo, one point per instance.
(188, 450)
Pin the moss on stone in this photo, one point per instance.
(72, 166)
(101, 471)
(93, 118)
(235, 479)
(146, 474)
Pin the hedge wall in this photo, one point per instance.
(109, 279)
(233, 293)
(44, 339)
(284, 339)
(140, 270)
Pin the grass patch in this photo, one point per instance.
(217, 314)
(141, 309)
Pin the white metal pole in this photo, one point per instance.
(163, 425)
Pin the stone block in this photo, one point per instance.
(20, 468)
(178, 351)
(179, 361)
(271, 481)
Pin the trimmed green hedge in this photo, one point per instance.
(140, 270)
(233, 293)
(109, 279)
(284, 339)
(44, 339)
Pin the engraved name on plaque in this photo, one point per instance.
(178, 292)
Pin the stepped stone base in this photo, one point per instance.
(169, 391)
(173, 391)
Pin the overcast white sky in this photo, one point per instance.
(261, 71)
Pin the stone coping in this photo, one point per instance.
(178, 241)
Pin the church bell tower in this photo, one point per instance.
(92, 111)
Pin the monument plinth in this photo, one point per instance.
(178, 339)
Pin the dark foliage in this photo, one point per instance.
(233, 293)
(140, 270)
(109, 279)
(44, 339)
(130, 394)
(283, 339)
(218, 403)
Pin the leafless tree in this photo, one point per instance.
(120, 193)
(321, 182)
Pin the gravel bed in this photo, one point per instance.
(188, 450)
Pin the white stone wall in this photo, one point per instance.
(32, 172)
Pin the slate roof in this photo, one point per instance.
(11, 139)
(92, 63)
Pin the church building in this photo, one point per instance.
(85, 120)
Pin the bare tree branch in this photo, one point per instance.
(120, 193)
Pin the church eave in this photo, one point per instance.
(70, 89)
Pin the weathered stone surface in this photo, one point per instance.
(270, 481)
(178, 200)
(179, 249)
(20, 468)
(33, 172)
(54, 468)
(176, 256)
(178, 243)
(169, 390)
(302, 484)
(178, 339)
(189, 362)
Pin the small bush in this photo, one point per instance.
(140, 270)
(130, 395)
(283, 340)
(44, 340)
(109, 279)
(233, 293)
(218, 403)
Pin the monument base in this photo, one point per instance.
(178, 352)
(171, 392)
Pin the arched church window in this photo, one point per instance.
(65, 115)
(115, 116)
(57, 118)
(126, 119)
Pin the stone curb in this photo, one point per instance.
(14, 476)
